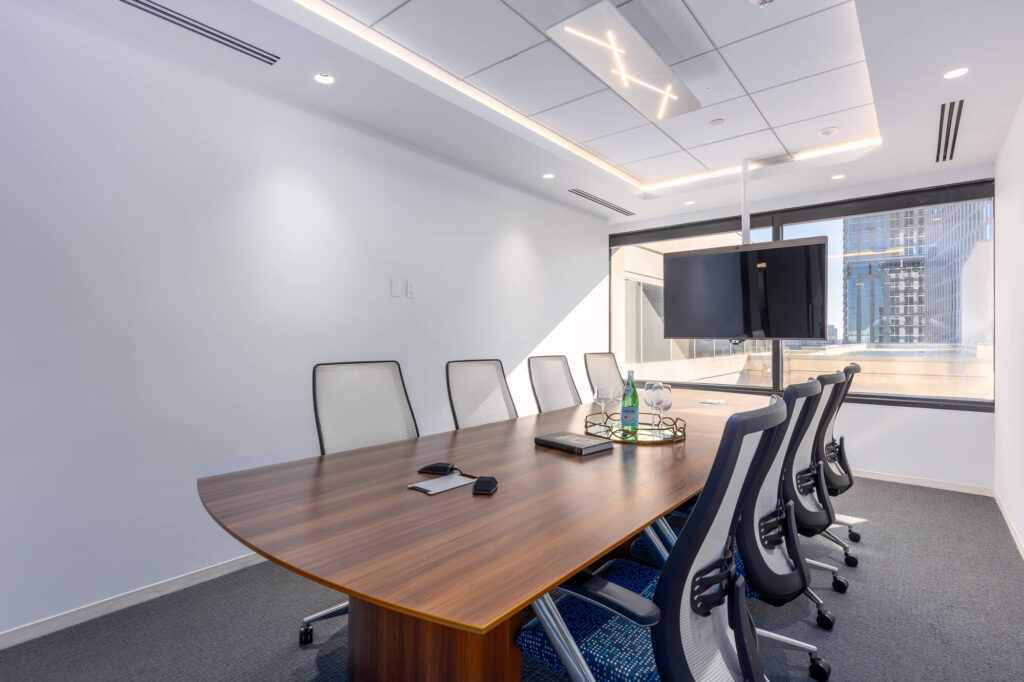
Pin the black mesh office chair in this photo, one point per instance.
(804, 473)
(341, 392)
(478, 393)
(690, 620)
(834, 478)
(553, 385)
(769, 552)
(838, 472)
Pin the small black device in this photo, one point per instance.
(485, 485)
(438, 469)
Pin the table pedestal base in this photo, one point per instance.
(388, 645)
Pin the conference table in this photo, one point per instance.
(437, 583)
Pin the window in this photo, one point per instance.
(910, 299)
(639, 322)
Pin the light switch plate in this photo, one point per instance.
(396, 287)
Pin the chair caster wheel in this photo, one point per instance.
(840, 584)
(850, 560)
(820, 670)
(305, 635)
(826, 620)
(853, 535)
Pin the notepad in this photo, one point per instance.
(441, 483)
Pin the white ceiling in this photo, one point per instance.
(777, 76)
(753, 67)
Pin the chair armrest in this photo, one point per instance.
(612, 597)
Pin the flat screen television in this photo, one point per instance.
(775, 290)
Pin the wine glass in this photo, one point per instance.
(617, 392)
(602, 396)
(649, 389)
(666, 402)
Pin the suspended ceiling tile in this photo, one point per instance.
(853, 124)
(709, 78)
(366, 11)
(669, 27)
(817, 43)
(664, 167)
(597, 115)
(546, 13)
(815, 96)
(538, 79)
(739, 116)
(633, 145)
(727, 153)
(727, 21)
(460, 36)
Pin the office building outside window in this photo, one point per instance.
(910, 299)
(911, 296)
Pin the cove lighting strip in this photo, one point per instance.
(332, 14)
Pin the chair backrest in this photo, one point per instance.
(800, 481)
(838, 477)
(772, 560)
(478, 393)
(693, 639)
(358, 404)
(849, 371)
(553, 385)
(602, 370)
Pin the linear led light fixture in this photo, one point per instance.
(799, 156)
(326, 11)
(338, 18)
(862, 143)
(601, 39)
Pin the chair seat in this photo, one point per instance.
(614, 648)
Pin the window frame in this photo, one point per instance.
(775, 219)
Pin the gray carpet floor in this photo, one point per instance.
(937, 596)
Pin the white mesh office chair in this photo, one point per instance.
(357, 404)
(553, 385)
(603, 370)
(478, 393)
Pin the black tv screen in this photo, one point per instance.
(776, 290)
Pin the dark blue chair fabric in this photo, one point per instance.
(615, 649)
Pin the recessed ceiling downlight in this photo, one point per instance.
(838, 177)
(717, 121)
(548, 176)
(955, 73)
(689, 203)
(324, 78)
(828, 132)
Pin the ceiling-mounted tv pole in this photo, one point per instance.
(744, 208)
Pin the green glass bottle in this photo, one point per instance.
(630, 405)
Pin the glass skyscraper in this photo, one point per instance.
(902, 272)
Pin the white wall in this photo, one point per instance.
(1009, 464)
(944, 446)
(177, 254)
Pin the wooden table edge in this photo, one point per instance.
(510, 613)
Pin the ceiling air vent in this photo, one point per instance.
(948, 129)
(225, 39)
(598, 200)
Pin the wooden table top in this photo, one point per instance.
(349, 522)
